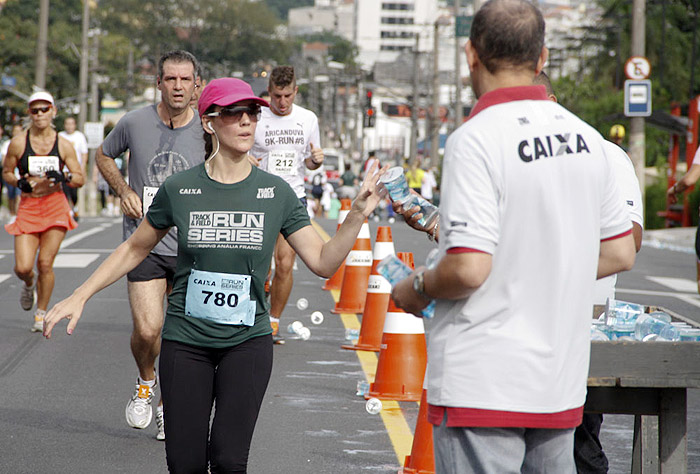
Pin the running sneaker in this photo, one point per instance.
(160, 421)
(276, 337)
(27, 298)
(138, 411)
(38, 325)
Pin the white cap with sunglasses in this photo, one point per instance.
(40, 95)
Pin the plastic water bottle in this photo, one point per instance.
(655, 327)
(394, 270)
(302, 304)
(304, 333)
(430, 212)
(622, 314)
(295, 327)
(351, 334)
(597, 334)
(317, 317)
(689, 334)
(362, 388)
(373, 406)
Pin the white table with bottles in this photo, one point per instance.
(648, 379)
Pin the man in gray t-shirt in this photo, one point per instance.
(162, 139)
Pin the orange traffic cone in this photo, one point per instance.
(422, 457)
(336, 281)
(402, 355)
(358, 266)
(378, 291)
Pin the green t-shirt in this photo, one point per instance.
(224, 228)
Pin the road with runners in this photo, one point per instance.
(62, 401)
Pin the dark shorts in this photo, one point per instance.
(154, 267)
(303, 201)
(12, 191)
(697, 243)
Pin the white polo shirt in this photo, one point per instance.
(531, 184)
(283, 142)
(628, 183)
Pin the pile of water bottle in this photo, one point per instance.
(297, 328)
(623, 321)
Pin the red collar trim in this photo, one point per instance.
(509, 94)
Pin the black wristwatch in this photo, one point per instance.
(419, 285)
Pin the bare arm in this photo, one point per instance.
(130, 201)
(9, 162)
(455, 277)
(637, 234)
(688, 180)
(616, 255)
(129, 254)
(316, 159)
(324, 258)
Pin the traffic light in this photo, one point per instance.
(369, 117)
(368, 102)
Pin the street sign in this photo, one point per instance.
(463, 25)
(9, 81)
(637, 68)
(638, 98)
(95, 133)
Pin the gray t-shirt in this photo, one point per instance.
(156, 152)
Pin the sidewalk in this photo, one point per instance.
(679, 239)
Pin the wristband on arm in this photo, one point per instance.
(24, 185)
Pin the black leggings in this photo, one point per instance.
(192, 379)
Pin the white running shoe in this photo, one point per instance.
(138, 411)
(38, 325)
(160, 422)
(27, 297)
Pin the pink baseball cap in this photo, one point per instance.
(226, 91)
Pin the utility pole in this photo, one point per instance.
(458, 76)
(637, 139)
(130, 79)
(41, 45)
(94, 117)
(84, 66)
(435, 115)
(414, 103)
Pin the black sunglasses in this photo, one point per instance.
(236, 112)
(43, 110)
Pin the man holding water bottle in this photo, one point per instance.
(530, 211)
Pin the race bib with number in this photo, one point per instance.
(149, 192)
(283, 162)
(39, 165)
(222, 298)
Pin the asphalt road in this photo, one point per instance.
(62, 401)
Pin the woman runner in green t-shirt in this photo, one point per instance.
(228, 214)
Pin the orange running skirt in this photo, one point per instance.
(38, 214)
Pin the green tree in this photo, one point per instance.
(18, 35)
(281, 7)
(339, 48)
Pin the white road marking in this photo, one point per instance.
(74, 260)
(682, 285)
(81, 235)
(4, 276)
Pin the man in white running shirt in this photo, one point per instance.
(287, 143)
(72, 134)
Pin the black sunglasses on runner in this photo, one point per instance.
(36, 110)
(236, 112)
